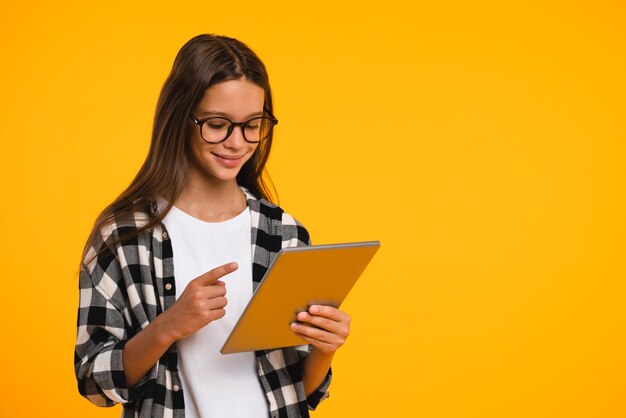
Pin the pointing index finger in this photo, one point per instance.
(213, 275)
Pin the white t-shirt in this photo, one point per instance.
(215, 384)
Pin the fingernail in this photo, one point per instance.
(313, 309)
(294, 325)
(301, 315)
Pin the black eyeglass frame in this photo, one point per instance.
(232, 125)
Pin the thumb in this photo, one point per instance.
(211, 276)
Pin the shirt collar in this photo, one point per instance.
(160, 204)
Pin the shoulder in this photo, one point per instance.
(293, 232)
(273, 220)
(111, 240)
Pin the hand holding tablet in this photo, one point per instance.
(325, 327)
(300, 277)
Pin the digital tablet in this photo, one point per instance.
(298, 278)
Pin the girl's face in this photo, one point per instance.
(237, 100)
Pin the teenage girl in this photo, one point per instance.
(172, 262)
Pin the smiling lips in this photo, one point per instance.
(229, 161)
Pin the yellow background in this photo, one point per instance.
(482, 142)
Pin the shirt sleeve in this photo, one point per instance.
(100, 342)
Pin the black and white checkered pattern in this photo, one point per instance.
(128, 285)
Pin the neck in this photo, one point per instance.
(209, 199)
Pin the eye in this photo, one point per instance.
(216, 125)
(254, 124)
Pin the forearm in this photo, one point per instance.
(314, 369)
(143, 350)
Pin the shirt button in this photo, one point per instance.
(164, 235)
(168, 286)
(175, 388)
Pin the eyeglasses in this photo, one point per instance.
(216, 129)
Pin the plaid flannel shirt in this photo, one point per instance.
(128, 285)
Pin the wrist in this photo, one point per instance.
(164, 330)
(319, 354)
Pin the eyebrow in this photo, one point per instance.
(225, 114)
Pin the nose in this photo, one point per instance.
(235, 140)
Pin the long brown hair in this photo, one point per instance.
(202, 62)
